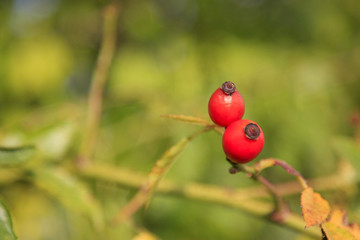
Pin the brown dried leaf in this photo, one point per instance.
(315, 209)
(334, 232)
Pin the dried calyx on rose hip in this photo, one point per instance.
(243, 140)
(226, 105)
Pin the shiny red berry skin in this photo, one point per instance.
(225, 108)
(243, 141)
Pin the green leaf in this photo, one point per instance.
(70, 192)
(16, 156)
(6, 228)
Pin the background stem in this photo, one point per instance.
(238, 199)
(98, 82)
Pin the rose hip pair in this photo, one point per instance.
(243, 139)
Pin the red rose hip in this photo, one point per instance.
(226, 105)
(243, 141)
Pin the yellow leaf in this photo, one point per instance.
(315, 209)
(339, 218)
(334, 232)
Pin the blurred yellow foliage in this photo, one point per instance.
(38, 65)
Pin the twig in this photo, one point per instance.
(99, 78)
(281, 211)
(195, 120)
(270, 162)
(157, 172)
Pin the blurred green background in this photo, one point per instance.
(296, 64)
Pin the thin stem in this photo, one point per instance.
(270, 162)
(281, 208)
(98, 82)
(302, 182)
(195, 120)
(154, 177)
(235, 168)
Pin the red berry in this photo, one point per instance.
(243, 141)
(226, 105)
